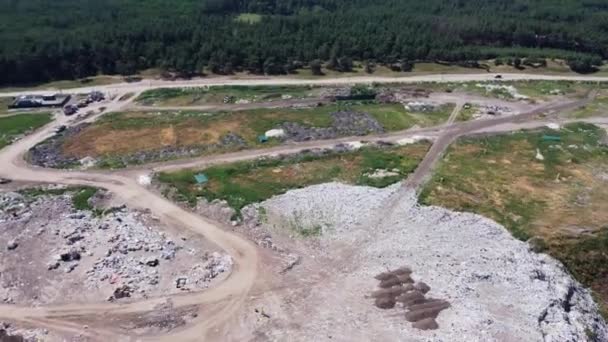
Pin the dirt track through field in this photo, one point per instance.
(223, 302)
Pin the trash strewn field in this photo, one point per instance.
(63, 245)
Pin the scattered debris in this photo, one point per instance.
(382, 173)
(345, 123)
(87, 162)
(510, 90)
(484, 282)
(121, 292)
(417, 106)
(539, 156)
(12, 244)
(144, 180)
(414, 139)
(49, 153)
(180, 282)
(275, 133)
(94, 253)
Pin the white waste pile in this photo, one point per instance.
(275, 133)
(539, 155)
(412, 140)
(511, 90)
(355, 145)
(418, 106)
(498, 289)
(144, 180)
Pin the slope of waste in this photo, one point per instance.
(496, 287)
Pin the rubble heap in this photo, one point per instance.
(55, 253)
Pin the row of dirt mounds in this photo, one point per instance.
(397, 286)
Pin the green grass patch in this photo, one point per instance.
(597, 107)
(394, 117)
(542, 89)
(80, 195)
(13, 126)
(80, 199)
(244, 183)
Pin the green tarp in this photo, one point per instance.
(551, 138)
(201, 178)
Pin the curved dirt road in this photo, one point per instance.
(229, 295)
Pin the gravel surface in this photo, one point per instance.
(497, 288)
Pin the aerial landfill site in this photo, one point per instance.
(358, 210)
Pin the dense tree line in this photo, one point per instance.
(46, 40)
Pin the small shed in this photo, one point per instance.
(201, 178)
(262, 138)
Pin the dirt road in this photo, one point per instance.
(425, 168)
(123, 88)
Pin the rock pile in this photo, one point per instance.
(345, 123)
(49, 152)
